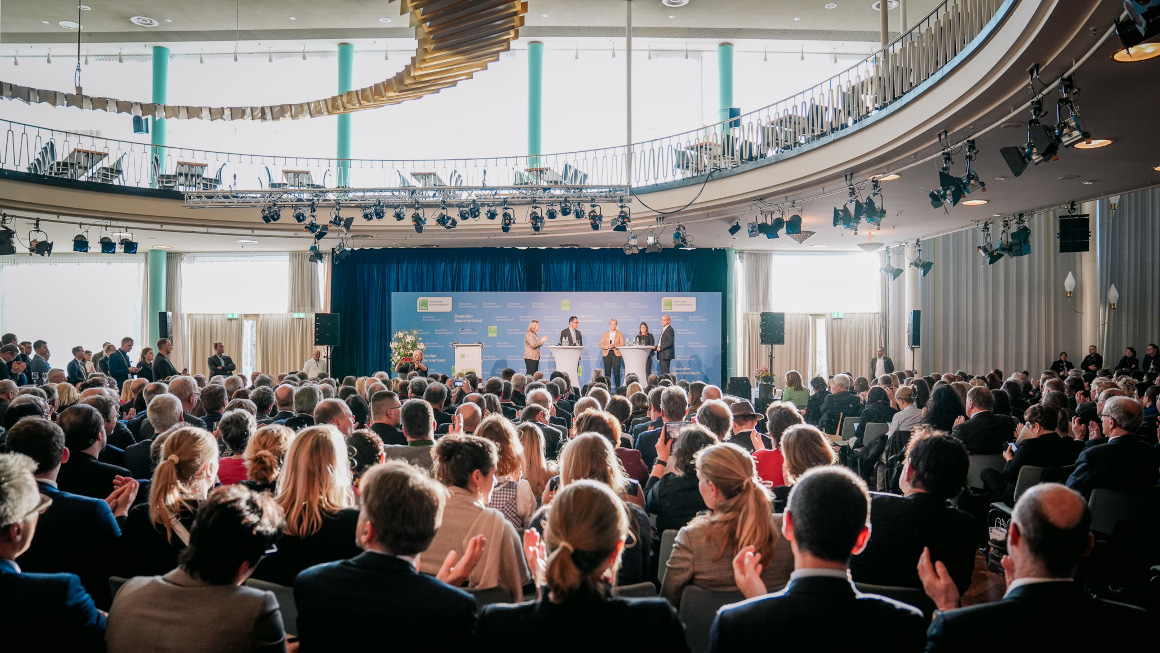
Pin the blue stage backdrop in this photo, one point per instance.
(500, 319)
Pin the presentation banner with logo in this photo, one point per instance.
(500, 320)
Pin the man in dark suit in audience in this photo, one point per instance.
(901, 527)
(654, 419)
(349, 605)
(1126, 463)
(84, 433)
(827, 520)
(674, 405)
(38, 609)
(162, 367)
(219, 363)
(213, 400)
(76, 367)
(1044, 609)
(436, 395)
(385, 417)
(77, 534)
(305, 401)
(984, 432)
(284, 398)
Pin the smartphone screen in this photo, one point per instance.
(672, 430)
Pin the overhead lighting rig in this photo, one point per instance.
(622, 219)
(918, 263)
(953, 189)
(889, 270)
(1044, 140)
(595, 216)
(681, 238)
(631, 245)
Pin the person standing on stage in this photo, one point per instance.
(643, 337)
(532, 343)
(415, 365)
(609, 343)
(571, 335)
(666, 349)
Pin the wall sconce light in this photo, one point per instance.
(1069, 285)
(1113, 297)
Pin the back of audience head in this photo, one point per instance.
(186, 470)
(805, 447)
(40, 440)
(744, 515)
(601, 396)
(83, 425)
(674, 404)
(779, 417)
(464, 460)
(935, 463)
(600, 422)
(306, 399)
(164, 412)
(315, 479)
(417, 420)
(585, 404)
(19, 497)
(689, 443)
(24, 406)
(365, 448)
(1125, 414)
(402, 509)
(585, 534)
(1051, 531)
(233, 530)
(591, 456)
(620, 408)
(266, 451)
(1044, 416)
(236, 428)
(509, 450)
(715, 415)
(828, 514)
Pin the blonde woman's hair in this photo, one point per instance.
(315, 480)
(804, 447)
(632, 389)
(591, 456)
(66, 395)
(360, 386)
(185, 452)
(585, 524)
(746, 516)
(266, 451)
(127, 391)
(537, 468)
(507, 444)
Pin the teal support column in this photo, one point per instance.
(345, 68)
(160, 96)
(155, 259)
(535, 102)
(729, 306)
(725, 78)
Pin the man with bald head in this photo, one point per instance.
(711, 392)
(284, 396)
(467, 418)
(336, 413)
(1048, 535)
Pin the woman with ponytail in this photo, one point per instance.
(265, 455)
(315, 491)
(155, 533)
(575, 564)
(740, 515)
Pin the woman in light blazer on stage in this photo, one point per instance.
(532, 344)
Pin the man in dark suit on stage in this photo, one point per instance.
(666, 348)
(1126, 462)
(826, 522)
(348, 605)
(984, 432)
(1048, 534)
(880, 365)
(219, 363)
(934, 472)
(571, 336)
(38, 607)
(162, 366)
(76, 367)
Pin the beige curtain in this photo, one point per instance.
(173, 304)
(204, 330)
(304, 295)
(283, 342)
(795, 354)
(851, 342)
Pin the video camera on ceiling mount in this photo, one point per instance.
(1043, 141)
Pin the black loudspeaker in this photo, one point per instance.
(773, 328)
(914, 329)
(1074, 234)
(164, 324)
(738, 386)
(326, 329)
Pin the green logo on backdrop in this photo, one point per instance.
(492, 332)
(565, 304)
(423, 305)
(667, 304)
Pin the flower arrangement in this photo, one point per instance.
(403, 345)
(763, 375)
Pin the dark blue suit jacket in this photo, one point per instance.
(583, 622)
(819, 613)
(119, 364)
(87, 476)
(1036, 618)
(646, 444)
(76, 371)
(77, 535)
(1126, 463)
(48, 608)
(351, 605)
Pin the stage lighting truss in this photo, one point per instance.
(953, 189)
(681, 238)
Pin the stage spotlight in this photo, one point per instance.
(271, 213)
(464, 212)
(681, 238)
(443, 219)
(652, 244)
(417, 221)
(890, 271)
(843, 218)
(474, 211)
(1019, 242)
(735, 228)
(873, 212)
(553, 212)
(565, 208)
(41, 247)
(400, 213)
(322, 231)
(108, 245)
(754, 229)
(793, 224)
(492, 213)
(507, 220)
(299, 214)
(920, 264)
(7, 241)
(631, 246)
(346, 224)
(80, 243)
(987, 249)
(340, 253)
(128, 246)
(622, 219)
(537, 219)
(578, 211)
(595, 216)
(368, 213)
(770, 229)
(380, 210)
(315, 255)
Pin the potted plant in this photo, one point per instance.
(764, 378)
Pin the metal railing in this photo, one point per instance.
(769, 134)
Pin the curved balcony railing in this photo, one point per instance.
(772, 133)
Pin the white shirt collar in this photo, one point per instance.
(823, 573)
(47, 481)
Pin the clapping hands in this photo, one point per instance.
(747, 572)
(456, 575)
(123, 495)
